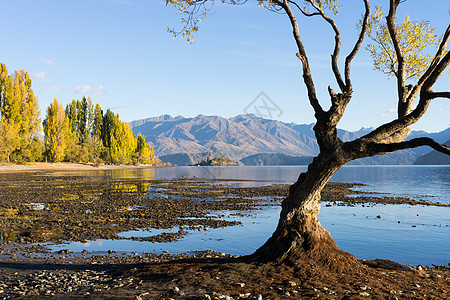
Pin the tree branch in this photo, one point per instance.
(423, 86)
(437, 71)
(414, 143)
(302, 10)
(307, 77)
(337, 45)
(358, 44)
(433, 95)
(390, 21)
(437, 58)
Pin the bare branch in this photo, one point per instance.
(414, 143)
(437, 71)
(307, 77)
(337, 45)
(433, 95)
(390, 20)
(358, 44)
(399, 124)
(302, 10)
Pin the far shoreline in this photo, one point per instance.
(42, 166)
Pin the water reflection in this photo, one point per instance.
(148, 173)
(407, 234)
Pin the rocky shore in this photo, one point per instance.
(40, 206)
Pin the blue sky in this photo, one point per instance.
(119, 53)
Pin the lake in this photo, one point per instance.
(403, 233)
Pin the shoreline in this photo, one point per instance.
(42, 166)
(100, 209)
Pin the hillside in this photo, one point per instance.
(434, 158)
(264, 159)
(186, 141)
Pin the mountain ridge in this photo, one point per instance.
(245, 135)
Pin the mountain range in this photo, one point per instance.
(252, 140)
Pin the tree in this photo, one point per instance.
(118, 138)
(97, 120)
(9, 139)
(19, 110)
(30, 147)
(56, 130)
(397, 50)
(144, 152)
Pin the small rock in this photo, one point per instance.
(364, 294)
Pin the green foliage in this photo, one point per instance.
(97, 122)
(144, 151)
(118, 138)
(80, 114)
(415, 39)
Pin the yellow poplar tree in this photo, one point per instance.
(144, 152)
(56, 130)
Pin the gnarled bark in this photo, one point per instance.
(299, 236)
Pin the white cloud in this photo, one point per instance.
(388, 112)
(99, 91)
(47, 61)
(84, 89)
(52, 88)
(81, 89)
(120, 107)
(40, 75)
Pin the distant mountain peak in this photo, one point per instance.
(247, 134)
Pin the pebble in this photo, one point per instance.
(57, 283)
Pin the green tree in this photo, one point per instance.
(81, 122)
(144, 152)
(84, 117)
(56, 130)
(3, 87)
(398, 50)
(97, 121)
(118, 138)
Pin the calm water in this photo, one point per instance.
(407, 234)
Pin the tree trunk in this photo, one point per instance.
(299, 235)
